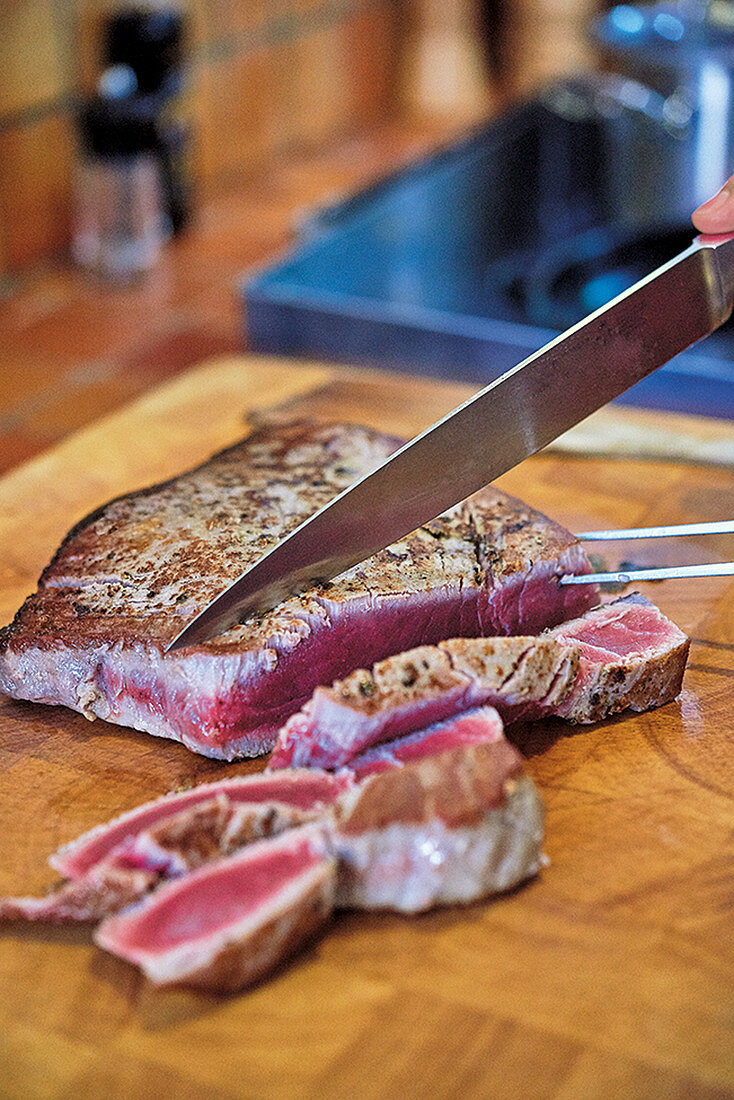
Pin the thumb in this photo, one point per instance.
(717, 214)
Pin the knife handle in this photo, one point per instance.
(719, 248)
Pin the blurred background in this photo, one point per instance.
(259, 79)
(157, 159)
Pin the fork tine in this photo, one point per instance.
(656, 573)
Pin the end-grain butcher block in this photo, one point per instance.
(128, 577)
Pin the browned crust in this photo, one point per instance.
(220, 827)
(525, 667)
(491, 660)
(104, 892)
(53, 614)
(416, 673)
(284, 437)
(458, 787)
(510, 533)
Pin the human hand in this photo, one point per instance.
(717, 214)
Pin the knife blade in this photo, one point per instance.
(510, 419)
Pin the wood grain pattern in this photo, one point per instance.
(609, 975)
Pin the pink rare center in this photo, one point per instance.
(623, 637)
(205, 904)
(301, 791)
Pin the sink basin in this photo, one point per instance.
(467, 261)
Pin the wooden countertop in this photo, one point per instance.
(609, 975)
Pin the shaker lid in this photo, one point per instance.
(118, 122)
(149, 39)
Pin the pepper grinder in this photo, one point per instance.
(120, 220)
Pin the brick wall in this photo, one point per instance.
(266, 76)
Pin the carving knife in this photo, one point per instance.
(510, 419)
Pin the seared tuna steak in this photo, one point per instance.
(630, 656)
(128, 577)
(232, 922)
(449, 828)
(480, 726)
(520, 676)
(117, 863)
(621, 654)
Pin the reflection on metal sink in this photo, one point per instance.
(469, 260)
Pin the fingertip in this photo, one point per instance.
(713, 221)
(716, 215)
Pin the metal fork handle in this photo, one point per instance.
(657, 573)
(722, 527)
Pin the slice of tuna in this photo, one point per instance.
(621, 654)
(106, 889)
(521, 677)
(630, 656)
(230, 923)
(170, 847)
(128, 577)
(446, 829)
(274, 796)
(482, 725)
(117, 864)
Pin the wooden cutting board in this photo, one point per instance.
(609, 975)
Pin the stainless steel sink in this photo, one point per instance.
(465, 262)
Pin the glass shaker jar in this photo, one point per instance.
(120, 223)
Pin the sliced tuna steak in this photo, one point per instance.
(446, 829)
(630, 656)
(520, 676)
(129, 576)
(120, 862)
(621, 654)
(273, 797)
(474, 727)
(105, 890)
(230, 923)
